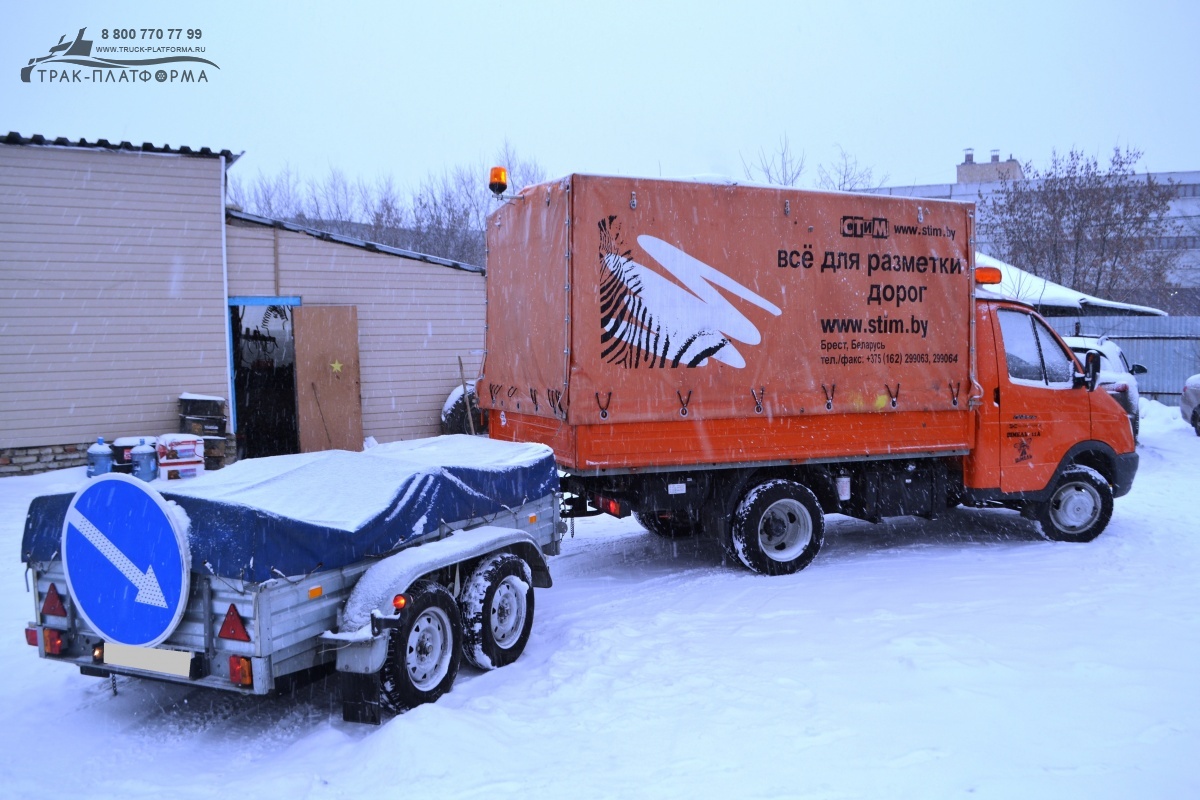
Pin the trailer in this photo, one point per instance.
(388, 566)
(740, 360)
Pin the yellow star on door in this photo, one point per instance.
(336, 365)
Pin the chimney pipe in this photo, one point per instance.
(969, 155)
(995, 156)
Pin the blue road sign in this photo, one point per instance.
(127, 561)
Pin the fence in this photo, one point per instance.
(1168, 347)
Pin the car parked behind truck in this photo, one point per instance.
(742, 360)
(1117, 376)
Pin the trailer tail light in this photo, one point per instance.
(98, 653)
(53, 642)
(240, 672)
(31, 637)
(53, 606)
(400, 602)
(233, 628)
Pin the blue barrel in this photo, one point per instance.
(145, 462)
(99, 458)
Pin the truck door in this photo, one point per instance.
(1042, 413)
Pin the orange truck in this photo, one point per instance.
(742, 360)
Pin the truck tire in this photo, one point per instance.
(497, 611)
(1196, 421)
(778, 528)
(425, 651)
(671, 527)
(1079, 508)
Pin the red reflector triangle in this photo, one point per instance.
(53, 605)
(232, 627)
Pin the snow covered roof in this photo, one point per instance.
(104, 144)
(374, 247)
(1017, 284)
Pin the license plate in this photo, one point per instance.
(169, 662)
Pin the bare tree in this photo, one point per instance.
(444, 215)
(782, 167)
(1097, 230)
(845, 175)
(522, 172)
(278, 197)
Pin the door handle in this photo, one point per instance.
(996, 395)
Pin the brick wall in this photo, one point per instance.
(30, 460)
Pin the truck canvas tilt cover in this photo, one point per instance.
(741, 360)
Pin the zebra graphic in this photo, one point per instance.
(647, 320)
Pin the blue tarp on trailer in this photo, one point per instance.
(292, 515)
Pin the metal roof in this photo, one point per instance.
(374, 247)
(103, 144)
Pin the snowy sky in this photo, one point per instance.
(672, 89)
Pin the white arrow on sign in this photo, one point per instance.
(149, 592)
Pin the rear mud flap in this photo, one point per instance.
(361, 698)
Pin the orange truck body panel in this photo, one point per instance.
(640, 324)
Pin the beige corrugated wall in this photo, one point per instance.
(111, 293)
(414, 318)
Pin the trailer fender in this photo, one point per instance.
(358, 649)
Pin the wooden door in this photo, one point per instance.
(328, 401)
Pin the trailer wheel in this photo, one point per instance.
(778, 528)
(670, 527)
(1079, 508)
(424, 652)
(497, 611)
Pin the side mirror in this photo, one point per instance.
(1091, 369)
(1138, 369)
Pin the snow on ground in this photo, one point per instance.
(962, 657)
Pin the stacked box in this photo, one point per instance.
(180, 455)
(214, 452)
(204, 416)
(172, 472)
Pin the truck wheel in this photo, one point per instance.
(670, 527)
(778, 528)
(1079, 509)
(424, 652)
(497, 611)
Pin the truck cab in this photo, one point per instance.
(1042, 428)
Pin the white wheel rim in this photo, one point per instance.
(784, 530)
(427, 654)
(508, 612)
(1075, 507)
